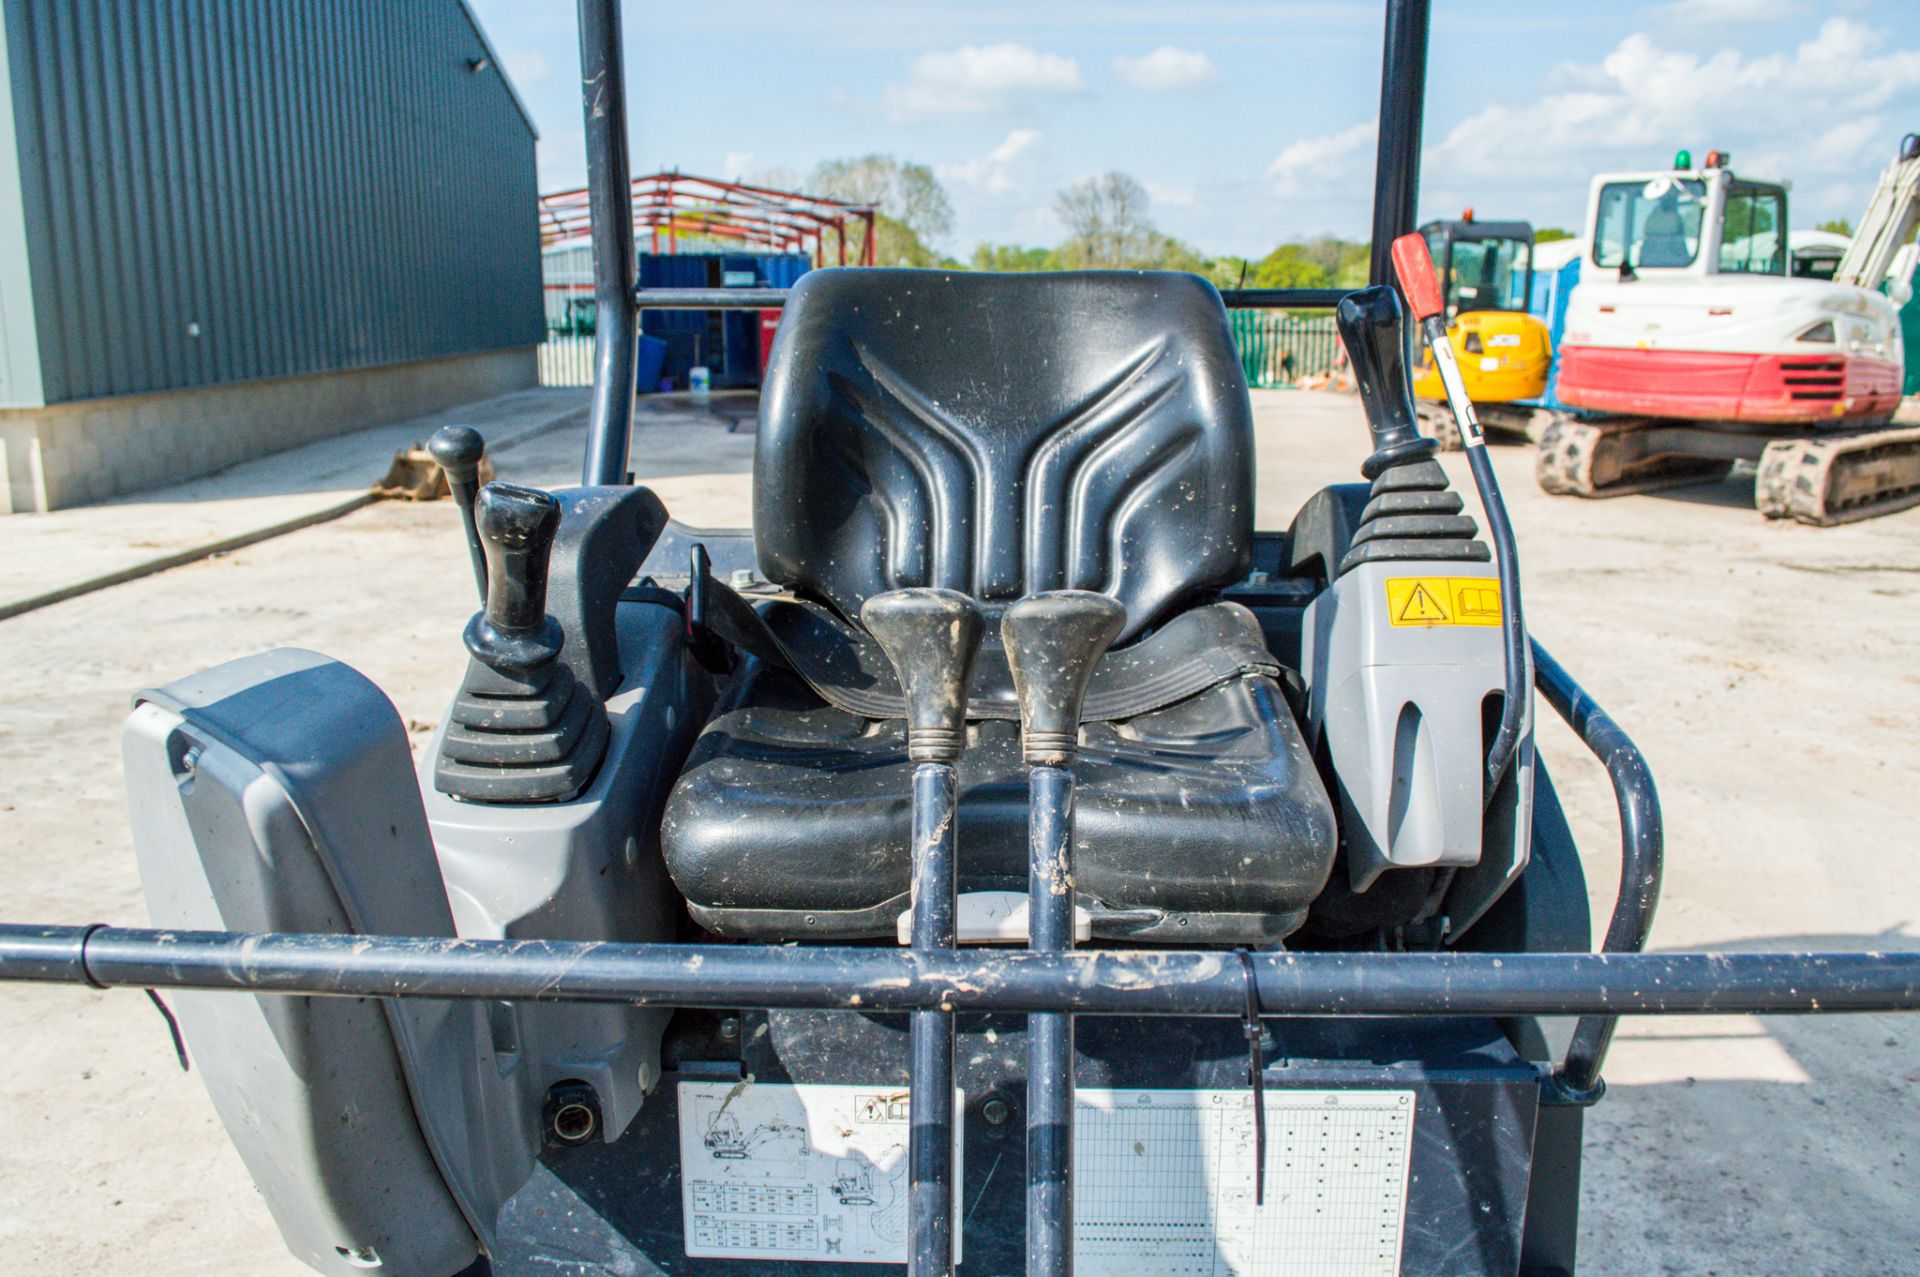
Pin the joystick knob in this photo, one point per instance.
(1376, 339)
(1053, 642)
(516, 527)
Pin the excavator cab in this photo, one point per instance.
(1505, 353)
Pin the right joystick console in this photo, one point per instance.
(523, 728)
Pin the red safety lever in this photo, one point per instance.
(1414, 265)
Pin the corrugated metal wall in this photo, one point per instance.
(220, 190)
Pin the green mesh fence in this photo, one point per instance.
(1278, 349)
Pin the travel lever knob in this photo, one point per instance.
(516, 527)
(933, 639)
(1372, 328)
(1053, 642)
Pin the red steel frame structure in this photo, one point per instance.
(669, 206)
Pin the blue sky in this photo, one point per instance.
(1249, 123)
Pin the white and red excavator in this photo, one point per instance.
(1690, 345)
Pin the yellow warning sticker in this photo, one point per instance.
(1443, 600)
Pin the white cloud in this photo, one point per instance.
(1172, 194)
(1642, 102)
(1316, 165)
(1706, 13)
(1168, 70)
(527, 67)
(981, 79)
(737, 165)
(994, 171)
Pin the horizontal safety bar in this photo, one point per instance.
(1096, 982)
(775, 298)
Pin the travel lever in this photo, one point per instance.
(1054, 642)
(932, 637)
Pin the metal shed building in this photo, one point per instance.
(229, 227)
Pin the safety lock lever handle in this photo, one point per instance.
(460, 452)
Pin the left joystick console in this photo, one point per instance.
(523, 728)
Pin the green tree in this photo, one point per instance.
(1013, 257)
(1107, 223)
(1548, 234)
(1290, 266)
(1838, 226)
(914, 211)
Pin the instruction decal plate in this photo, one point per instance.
(1443, 600)
(1163, 1183)
(807, 1172)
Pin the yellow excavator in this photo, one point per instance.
(1504, 352)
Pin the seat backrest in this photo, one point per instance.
(1003, 435)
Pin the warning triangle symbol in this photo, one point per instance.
(1421, 605)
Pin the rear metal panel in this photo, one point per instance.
(1473, 1132)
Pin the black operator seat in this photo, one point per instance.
(1003, 435)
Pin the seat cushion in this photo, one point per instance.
(1202, 822)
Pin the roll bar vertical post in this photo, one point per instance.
(1403, 95)
(603, 101)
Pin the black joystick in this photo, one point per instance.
(523, 728)
(933, 639)
(1411, 513)
(1054, 643)
(461, 452)
(1373, 328)
(516, 527)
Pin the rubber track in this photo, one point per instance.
(1797, 477)
(1437, 417)
(1564, 464)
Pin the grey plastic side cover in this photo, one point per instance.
(277, 793)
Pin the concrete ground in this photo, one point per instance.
(1769, 671)
(87, 544)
